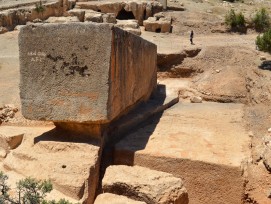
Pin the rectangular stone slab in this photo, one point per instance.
(205, 144)
(83, 72)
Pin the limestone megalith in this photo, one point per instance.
(83, 72)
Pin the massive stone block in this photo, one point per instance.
(83, 72)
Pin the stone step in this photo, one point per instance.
(71, 164)
(143, 184)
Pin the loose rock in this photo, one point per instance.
(7, 112)
(267, 159)
(3, 30)
(143, 184)
(196, 99)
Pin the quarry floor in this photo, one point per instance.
(206, 144)
(210, 145)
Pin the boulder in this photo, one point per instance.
(3, 30)
(93, 16)
(196, 99)
(267, 158)
(108, 198)
(10, 138)
(162, 25)
(130, 26)
(109, 18)
(72, 79)
(3, 153)
(127, 24)
(143, 184)
(159, 15)
(7, 112)
(76, 12)
(18, 27)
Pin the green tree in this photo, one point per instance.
(261, 20)
(33, 191)
(29, 191)
(4, 188)
(263, 41)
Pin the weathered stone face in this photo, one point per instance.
(83, 72)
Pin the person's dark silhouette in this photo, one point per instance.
(191, 37)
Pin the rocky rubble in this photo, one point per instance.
(262, 150)
(62, 19)
(7, 112)
(9, 140)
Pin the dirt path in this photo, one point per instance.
(172, 43)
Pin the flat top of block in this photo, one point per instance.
(12, 131)
(207, 132)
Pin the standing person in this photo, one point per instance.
(191, 37)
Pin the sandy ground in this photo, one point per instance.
(225, 70)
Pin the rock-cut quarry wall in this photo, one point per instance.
(83, 72)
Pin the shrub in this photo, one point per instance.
(263, 41)
(39, 7)
(236, 22)
(30, 191)
(261, 20)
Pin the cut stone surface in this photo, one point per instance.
(162, 25)
(109, 198)
(74, 79)
(130, 26)
(127, 24)
(62, 19)
(140, 9)
(76, 12)
(71, 164)
(143, 184)
(205, 144)
(19, 16)
(165, 96)
(10, 137)
(109, 18)
(94, 16)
